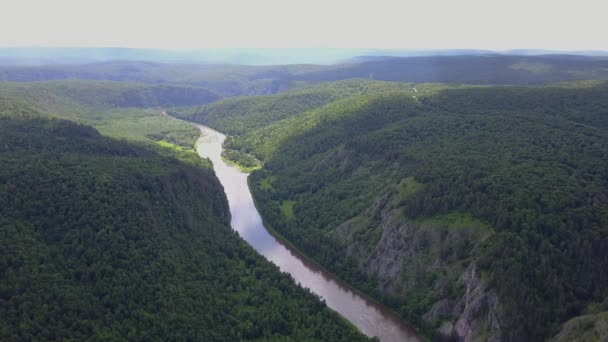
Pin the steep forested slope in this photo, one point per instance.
(237, 116)
(72, 95)
(105, 240)
(118, 109)
(252, 122)
(478, 210)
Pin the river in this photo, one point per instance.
(370, 318)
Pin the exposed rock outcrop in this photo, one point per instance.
(480, 319)
(413, 258)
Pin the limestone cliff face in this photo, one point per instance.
(429, 263)
(481, 315)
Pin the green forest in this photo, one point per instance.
(246, 80)
(469, 194)
(530, 164)
(244, 161)
(113, 239)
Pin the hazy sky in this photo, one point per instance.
(407, 24)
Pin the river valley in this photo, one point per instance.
(369, 317)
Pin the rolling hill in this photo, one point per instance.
(474, 211)
(107, 239)
(126, 110)
(244, 80)
(474, 207)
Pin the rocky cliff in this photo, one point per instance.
(430, 265)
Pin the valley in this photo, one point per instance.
(369, 317)
(111, 238)
(406, 198)
(340, 202)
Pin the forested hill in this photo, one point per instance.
(241, 80)
(226, 80)
(477, 211)
(73, 95)
(132, 111)
(241, 115)
(489, 69)
(106, 240)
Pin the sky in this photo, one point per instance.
(383, 24)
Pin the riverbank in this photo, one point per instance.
(241, 168)
(369, 316)
(276, 234)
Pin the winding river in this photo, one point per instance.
(371, 319)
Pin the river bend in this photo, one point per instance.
(369, 317)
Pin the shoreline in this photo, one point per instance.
(387, 315)
(294, 249)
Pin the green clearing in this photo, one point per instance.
(266, 183)
(167, 144)
(453, 220)
(287, 209)
(145, 125)
(148, 126)
(408, 187)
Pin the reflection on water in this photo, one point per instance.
(370, 318)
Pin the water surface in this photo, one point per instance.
(371, 319)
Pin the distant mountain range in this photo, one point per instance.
(250, 56)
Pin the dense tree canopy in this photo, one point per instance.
(241, 80)
(530, 161)
(106, 240)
